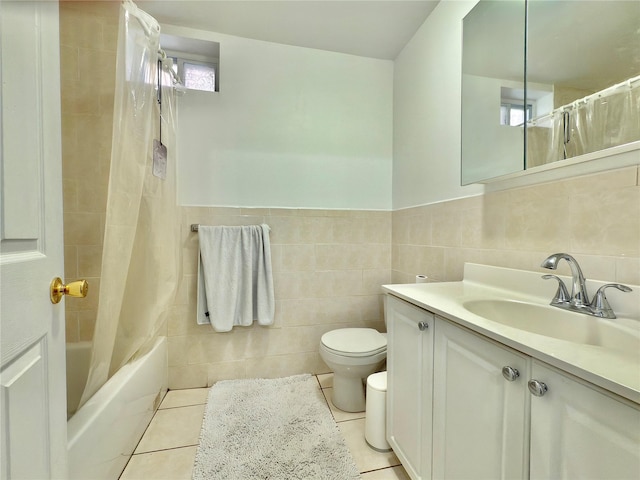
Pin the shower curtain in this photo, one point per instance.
(600, 121)
(141, 256)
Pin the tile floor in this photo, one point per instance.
(168, 448)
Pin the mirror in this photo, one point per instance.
(582, 85)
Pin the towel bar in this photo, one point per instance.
(194, 227)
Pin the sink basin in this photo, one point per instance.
(557, 323)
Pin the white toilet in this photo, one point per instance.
(352, 354)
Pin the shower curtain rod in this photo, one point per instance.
(602, 93)
(627, 83)
(147, 22)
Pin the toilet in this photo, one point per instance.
(352, 354)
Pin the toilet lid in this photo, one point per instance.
(355, 342)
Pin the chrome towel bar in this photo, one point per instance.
(194, 227)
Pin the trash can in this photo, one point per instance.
(375, 422)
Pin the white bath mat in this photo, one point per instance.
(271, 429)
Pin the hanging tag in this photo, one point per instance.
(159, 160)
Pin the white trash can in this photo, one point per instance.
(375, 426)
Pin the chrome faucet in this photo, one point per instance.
(578, 301)
(579, 296)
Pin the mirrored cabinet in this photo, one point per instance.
(547, 81)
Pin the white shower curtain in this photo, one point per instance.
(141, 257)
(602, 121)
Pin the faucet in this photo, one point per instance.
(578, 301)
(579, 296)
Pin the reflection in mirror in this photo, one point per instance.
(583, 67)
(493, 90)
(582, 85)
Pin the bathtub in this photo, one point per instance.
(104, 432)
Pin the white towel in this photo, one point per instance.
(235, 264)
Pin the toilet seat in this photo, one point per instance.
(354, 342)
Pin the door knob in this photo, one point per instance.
(423, 326)
(510, 373)
(73, 289)
(537, 388)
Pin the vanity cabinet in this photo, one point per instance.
(480, 418)
(455, 412)
(581, 431)
(409, 385)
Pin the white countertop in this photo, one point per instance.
(606, 368)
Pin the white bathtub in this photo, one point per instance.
(102, 435)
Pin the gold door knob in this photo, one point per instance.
(73, 289)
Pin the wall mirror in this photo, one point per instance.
(577, 91)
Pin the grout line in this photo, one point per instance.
(133, 451)
(182, 406)
(381, 468)
(350, 420)
(167, 449)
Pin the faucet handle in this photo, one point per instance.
(600, 305)
(562, 295)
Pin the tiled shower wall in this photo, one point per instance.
(88, 39)
(328, 266)
(595, 218)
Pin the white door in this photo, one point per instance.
(480, 419)
(32, 358)
(580, 431)
(409, 366)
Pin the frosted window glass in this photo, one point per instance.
(199, 77)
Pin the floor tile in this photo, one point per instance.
(393, 473)
(172, 428)
(339, 415)
(365, 457)
(326, 380)
(185, 398)
(174, 464)
(168, 448)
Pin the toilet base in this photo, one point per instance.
(348, 393)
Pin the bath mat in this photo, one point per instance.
(271, 429)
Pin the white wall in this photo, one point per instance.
(484, 137)
(290, 127)
(426, 104)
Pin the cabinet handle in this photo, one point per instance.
(537, 388)
(510, 373)
(423, 326)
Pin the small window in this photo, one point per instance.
(197, 75)
(514, 114)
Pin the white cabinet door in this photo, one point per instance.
(409, 388)
(578, 431)
(480, 419)
(32, 354)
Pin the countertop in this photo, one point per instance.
(603, 367)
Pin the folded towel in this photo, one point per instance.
(235, 264)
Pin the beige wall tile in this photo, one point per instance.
(628, 270)
(70, 261)
(284, 365)
(231, 370)
(86, 324)
(89, 260)
(191, 376)
(72, 328)
(610, 226)
(297, 257)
